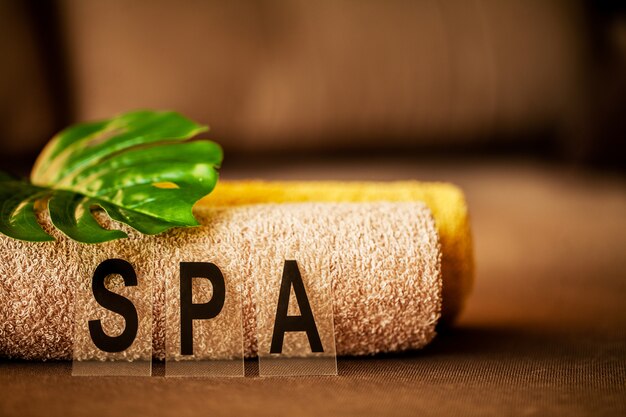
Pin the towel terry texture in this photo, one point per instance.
(446, 201)
(387, 291)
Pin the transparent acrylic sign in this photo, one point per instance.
(204, 333)
(295, 328)
(112, 315)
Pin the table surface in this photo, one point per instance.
(543, 332)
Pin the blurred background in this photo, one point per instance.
(326, 78)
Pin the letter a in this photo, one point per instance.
(302, 323)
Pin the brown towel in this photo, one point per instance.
(383, 261)
(446, 201)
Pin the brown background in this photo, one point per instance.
(302, 78)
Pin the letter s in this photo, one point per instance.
(116, 303)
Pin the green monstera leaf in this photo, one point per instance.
(140, 167)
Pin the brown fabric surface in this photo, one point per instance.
(543, 333)
(472, 371)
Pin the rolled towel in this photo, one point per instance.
(446, 201)
(39, 279)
